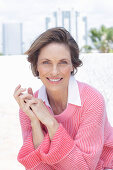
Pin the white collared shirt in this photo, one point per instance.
(72, 90)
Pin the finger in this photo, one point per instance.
(17, 88)
(25, 107)
(26, 97)
(29, 103)
(26, 100)
(28, 110)
(23, 99)
(30, 91)
(19, 91)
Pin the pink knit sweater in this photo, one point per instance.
(83, 141)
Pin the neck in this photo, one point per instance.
(58, 98)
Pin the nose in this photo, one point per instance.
(55, 70)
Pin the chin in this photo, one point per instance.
(54, 88)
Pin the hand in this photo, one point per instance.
(36, 109)
(42, 113)
(22, 100)
(40, 110)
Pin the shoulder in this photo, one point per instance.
(93, 108)
(89, 93)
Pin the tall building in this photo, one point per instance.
(73, 21)
(12, 38)
(66, 20)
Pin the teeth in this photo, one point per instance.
(54, 79)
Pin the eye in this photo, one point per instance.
(63, 62)
(45, 62)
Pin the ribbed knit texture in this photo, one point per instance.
(83, 141)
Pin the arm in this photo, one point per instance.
(28, 156)
(37, 133)
(31, 132)
(84, 151)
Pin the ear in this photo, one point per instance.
(72, 68)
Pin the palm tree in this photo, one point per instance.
(102, 39)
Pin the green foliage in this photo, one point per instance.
(86, 49)
(102, 39)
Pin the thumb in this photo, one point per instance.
(30, 91)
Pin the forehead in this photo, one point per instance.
(55, 50)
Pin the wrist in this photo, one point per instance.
(37, 133)
(35, 122)
(52, 128)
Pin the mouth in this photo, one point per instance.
(54, 80)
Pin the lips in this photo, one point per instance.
(54, 79)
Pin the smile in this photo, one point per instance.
(55, 80)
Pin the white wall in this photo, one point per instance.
(96, 71)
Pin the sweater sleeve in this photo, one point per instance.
(82, 152)
(28, 156)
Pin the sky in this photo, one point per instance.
(32, 13)
(26, 10)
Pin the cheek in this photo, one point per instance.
(42, 70)
(67, 70)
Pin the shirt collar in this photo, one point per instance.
(73, 93)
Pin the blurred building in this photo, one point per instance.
(12, 38)
(73, 21)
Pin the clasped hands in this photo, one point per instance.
(35, 109)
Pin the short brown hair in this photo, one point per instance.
(58, 35)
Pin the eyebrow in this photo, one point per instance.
(63, 59)
(44, 59)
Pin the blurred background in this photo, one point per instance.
(21, 22)
(90, 23)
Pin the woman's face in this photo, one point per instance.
(54, 66)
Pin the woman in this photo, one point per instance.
(64, 123)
